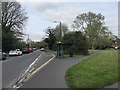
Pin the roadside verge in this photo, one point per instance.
(95, 72)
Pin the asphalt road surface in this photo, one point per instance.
(14, 66)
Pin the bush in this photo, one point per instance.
(77, 43)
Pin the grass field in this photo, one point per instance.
(95, 72)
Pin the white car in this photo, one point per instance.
(15, 52)
(42, 49)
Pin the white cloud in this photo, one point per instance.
(59, 11)
(68, 13)
(43, 6)
(36, 36)
(65, 16)
(112, 22)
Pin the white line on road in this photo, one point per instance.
(13, 81)
(33, 73)
(43, 65)
(28, 73)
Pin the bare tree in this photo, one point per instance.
(13, 20)
(13, 17)
(51, 39)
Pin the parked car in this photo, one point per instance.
(34, 49)
(25, 50)
(15, 52)
(42, 49)
(30, 49)
(3, 55)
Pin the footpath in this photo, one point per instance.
(115, 85)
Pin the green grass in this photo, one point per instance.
(78, 56)
(95, 72)
(92, 51)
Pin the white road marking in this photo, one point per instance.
(26, 73)
(31, 74)
(43, 65)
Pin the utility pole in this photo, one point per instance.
(60, 48)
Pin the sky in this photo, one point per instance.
(42, 14)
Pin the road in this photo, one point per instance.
(14, 66)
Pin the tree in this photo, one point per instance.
(102, 42)
(51, 39)
(13, 20)
(20, 44)
(76, 43)
(92, 25)
(37, 44)
(53, 35)
(64, 29)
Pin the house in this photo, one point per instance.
(116, 43)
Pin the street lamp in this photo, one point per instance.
(60, 49)
(60, 29)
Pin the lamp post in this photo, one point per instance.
(60, 51)
(60, 29)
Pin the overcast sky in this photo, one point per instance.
(42, 14)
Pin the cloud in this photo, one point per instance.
(112, 22)
(43, 6)
(64, 12)
(36, 36)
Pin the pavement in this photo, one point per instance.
(115, 85)
(53, 75)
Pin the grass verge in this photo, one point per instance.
(92, 51)
(78, 55)
(95, 72)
